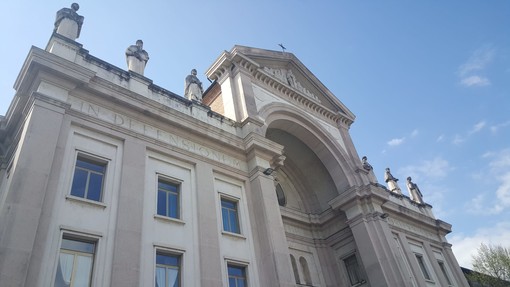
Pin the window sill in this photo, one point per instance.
(235, 235)
(168, 219)
(86, 201)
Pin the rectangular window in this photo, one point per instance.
(445, 273)
(236, 276)
(88, 179)
(352, 267)
(75, 263)
(168, 199)
(423, 268)
(168, 267)
(229, 215)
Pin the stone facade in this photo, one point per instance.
(275, 146)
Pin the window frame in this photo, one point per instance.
(357, 269)
(444, 270)
(169, 253)
(178, 186)
(236, 201)
(422, 264)
(239, 266)
(77, 253)
(89, 159)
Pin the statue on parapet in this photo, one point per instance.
(414, 191)
(137, 57)
(365, 164)
(392, 182)
(193, 87)
(68, 23)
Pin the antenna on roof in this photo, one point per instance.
(283, 48)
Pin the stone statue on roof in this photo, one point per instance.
(391, 181)
(68, 23)
(193, 87)
(137, 57)
(414, 191)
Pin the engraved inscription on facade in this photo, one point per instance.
(153, 132)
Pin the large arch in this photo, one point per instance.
(281, 119)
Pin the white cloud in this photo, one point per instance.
(498, 199)
(396, 142)
(496, 128)
(440, 138)
(428, 169)
(478, 60)
(414, 133)
(457, 140)
(470, 72)
(476, 81)
(477, 127)
(464, 247)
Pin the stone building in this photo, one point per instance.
(107, 179)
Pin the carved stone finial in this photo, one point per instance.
(68, 23)
(137, 57)
(193, 87)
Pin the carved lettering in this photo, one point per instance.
(153, 132)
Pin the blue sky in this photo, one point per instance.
(429, 81)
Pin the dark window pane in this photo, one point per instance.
(234, 227)
(231, 282)
(170, 260)
(173, 203)
(228, 204)
(90, 165)
(162, 203)
(95, 186)
(235, 271)
(167, 186)
(224, 215)
(81, 246)
(79, 183)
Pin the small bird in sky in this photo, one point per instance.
(283, 48)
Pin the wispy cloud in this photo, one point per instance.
(499, 173)
(458, 139)
(471, 72)
(428, 169)
(477, 127)
(414, 133)
(396, 141)
(440, 138)
(464, 247)
(497, 127)
(476, 81)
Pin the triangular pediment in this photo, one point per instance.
(287, 70)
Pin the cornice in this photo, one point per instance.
(228, 62)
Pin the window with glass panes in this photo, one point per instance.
(229, 215)
(75, 263)
(168, 198)
(236, 276)
(88, 179)
(168, 267)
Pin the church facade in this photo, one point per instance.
(107, 179)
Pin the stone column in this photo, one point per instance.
(209, 245)
(128, 233)
(22, 201)
(271, 247)
(372, 235)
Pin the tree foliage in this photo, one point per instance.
(494, 261)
